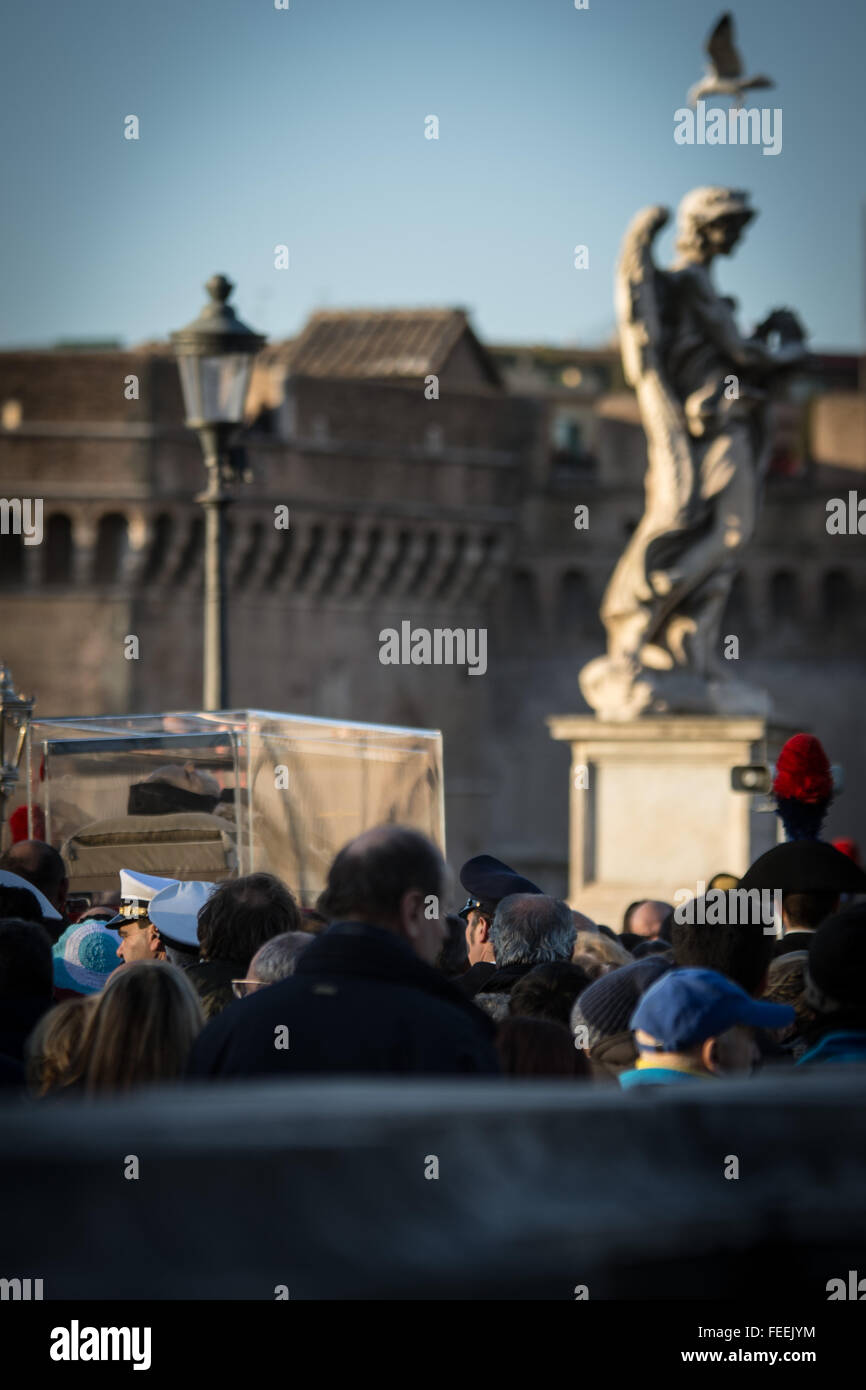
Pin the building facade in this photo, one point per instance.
(429, 480)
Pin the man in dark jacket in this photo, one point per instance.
(487, 881)
(529, 929)
(364, 997)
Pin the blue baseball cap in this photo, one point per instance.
(685, 1007)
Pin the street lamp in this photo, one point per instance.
(215, 359)
(15, 713)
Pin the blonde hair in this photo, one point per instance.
(598, 954)
(144, 1024)
(55, 1052)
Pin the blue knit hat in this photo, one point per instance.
(84, 957)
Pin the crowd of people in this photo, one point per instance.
(204, 982)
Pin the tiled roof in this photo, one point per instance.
(361, 344)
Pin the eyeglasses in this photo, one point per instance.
(241, 988)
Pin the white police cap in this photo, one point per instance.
(174, 911)
(141, 888)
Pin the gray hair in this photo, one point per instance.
(532, 929)
(276, 959)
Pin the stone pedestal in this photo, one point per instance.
(651, 808)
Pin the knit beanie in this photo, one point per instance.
(84, 957)
(607, 1006)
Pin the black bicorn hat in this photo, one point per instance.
(488, 881)
(805, 866)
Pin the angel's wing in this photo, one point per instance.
(724, 57)
(637, 307)
(640, 334)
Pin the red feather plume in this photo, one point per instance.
(803, 771)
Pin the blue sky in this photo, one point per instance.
(306, 127)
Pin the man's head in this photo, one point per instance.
(276, 960)
(479, 945)
(26, 963)
(487, 881)
(390, 877)
(532, 929)
(243, 914)
(600, 1018)
(701, 1018)
(742, 951)
(139, 940)
(43, 866)
(806, 911)
(646, 918)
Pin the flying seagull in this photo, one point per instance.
(724, 77)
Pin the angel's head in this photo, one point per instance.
(710, 222)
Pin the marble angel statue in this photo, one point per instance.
(704, 392)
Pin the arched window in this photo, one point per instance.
(112, 541)
(57, 552)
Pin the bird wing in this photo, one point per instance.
(724, 57)
(759, 81)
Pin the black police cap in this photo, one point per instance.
(488, 881)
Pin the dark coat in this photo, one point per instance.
(793, 941)
(212, 980)
(476, 977)
(360, 1001)
(487, 978)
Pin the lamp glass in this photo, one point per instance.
(215, 388)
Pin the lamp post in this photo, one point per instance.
(215, 358)
(15, 713)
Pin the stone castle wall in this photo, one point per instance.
(442, 513)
